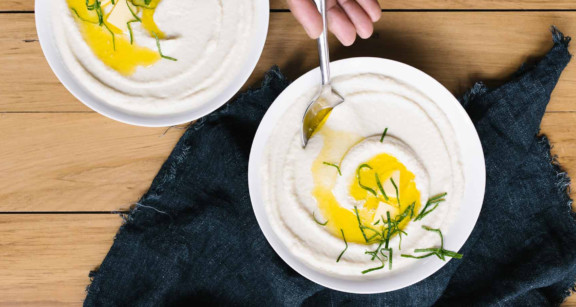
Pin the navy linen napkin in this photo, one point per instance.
(193, 237)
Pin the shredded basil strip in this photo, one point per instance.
(315, 220)
(360, 182)
(160, 49)
(433, 201)
(440, 252)
(397, 192)
(379, 184)
(383, 135)
(342, 253)
(333, 165)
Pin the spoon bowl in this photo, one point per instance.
(327, 98)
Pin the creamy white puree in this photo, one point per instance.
(419, 135)
(210, 39)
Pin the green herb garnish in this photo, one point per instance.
(160, 49)
(432, 201)
(130, 30)
(315, 220)
(132, 12)
(342, 253)
(383, 135)
(380, 257)
(441, 253)
(360, 182)
(397, 192)
(360, 223)
(82, 18)
(379, 184)
(333, 165)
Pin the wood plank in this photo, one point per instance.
(84, 162)
(28, 5)
(461, 4)
(77, 162)
(45, 259)
(457, 48)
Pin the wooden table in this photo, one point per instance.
(65, 170)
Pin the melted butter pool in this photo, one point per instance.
(111, 44)
(372, 206)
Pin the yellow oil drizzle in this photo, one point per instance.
(116, 51)
(336, 144)
(384, 165)
(148, 20)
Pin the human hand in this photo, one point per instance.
(345, 18)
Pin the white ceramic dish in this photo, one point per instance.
(48, 43)
(472, 158)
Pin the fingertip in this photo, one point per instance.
(366, 34)
(347, 40)
(341, 26)
(376, 15)
(372, 8)
(308, 16)
(313, 31)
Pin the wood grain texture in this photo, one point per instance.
(461, 4)
(28, 5)
(45, 259)
(77, 162)
(457, 48)
(84, 162)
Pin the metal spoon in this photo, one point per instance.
(326, 99)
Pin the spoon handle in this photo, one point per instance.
(323, 45)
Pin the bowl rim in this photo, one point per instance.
(53, 56)
(472, 161)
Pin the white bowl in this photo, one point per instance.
(472, 159)
(48, 44)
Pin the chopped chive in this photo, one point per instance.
(376, 251)
(379, 184)
(383, 135)
(130, 30)
(441, 253)
(389, 228)
(433, 201)
(342, 253)
(373, 269)
(359, 181)
(389, 258)
(160, 49)
(397, 193)
(382, 260)
(333, 165)
(315, 220)
(403, 215)
(82, 18)
(132, 12)
(113, 36)
(417, 257)
(360, 223)
(439, 233)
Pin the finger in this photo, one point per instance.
(341, 26)
(307, 15)
(359, 18)
(372, 8)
